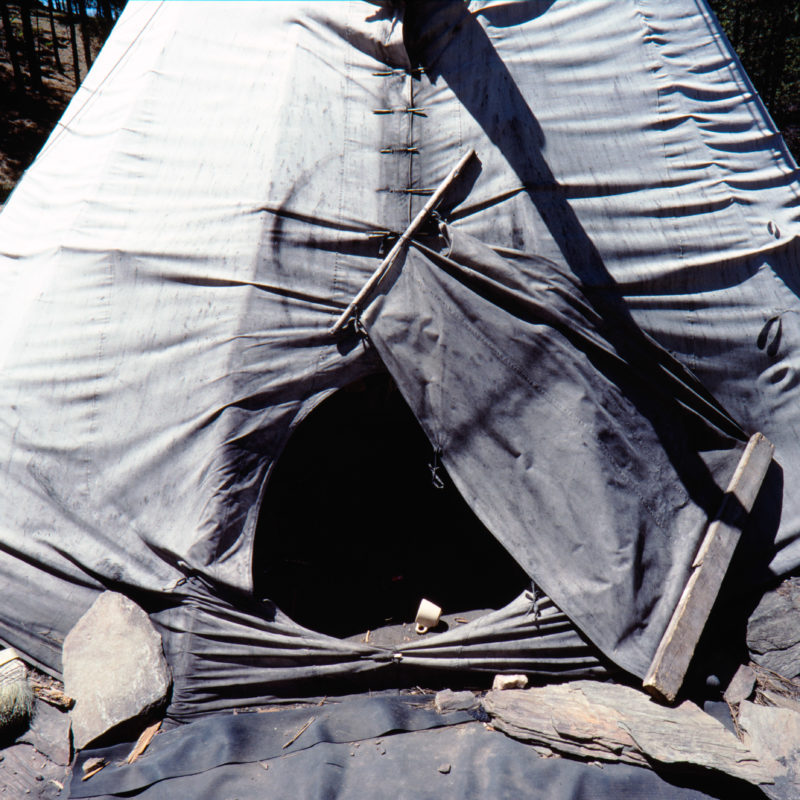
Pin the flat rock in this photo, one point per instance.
(609, 722)
(774, 734)
(114, 667)
(741, 686)
(502, 682)
(27, 773)
(447, 700)
(49, 734)
(773, 630)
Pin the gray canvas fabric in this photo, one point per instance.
(227, 178)
(604, 458)
(230, 651)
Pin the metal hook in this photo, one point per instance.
(436, 479)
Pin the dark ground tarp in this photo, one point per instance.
(371, 747)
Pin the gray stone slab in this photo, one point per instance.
(49, 733)
(447, 700)
(773, 630)
(114, 667)
(609, 722)
(27, 773)
(774, 734)
(741, 686)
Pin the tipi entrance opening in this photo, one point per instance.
(353, 533)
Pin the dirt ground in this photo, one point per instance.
(36, 763)
(27, 118)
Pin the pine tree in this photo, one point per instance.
(11, 46)
(31, 56)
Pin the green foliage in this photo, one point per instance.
(766, 36)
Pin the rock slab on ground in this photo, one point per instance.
(741, 686)
(501, 682)
(114, 667)
(774, 734)
(773, 630)
(610, 722)
(448, 701)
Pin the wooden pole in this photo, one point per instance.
(85, 35)
(29, 40)
(376, 277)
(666, 673)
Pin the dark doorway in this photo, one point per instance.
(353, 532)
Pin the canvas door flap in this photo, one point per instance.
(591, 454)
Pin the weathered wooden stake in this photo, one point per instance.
(675, 651)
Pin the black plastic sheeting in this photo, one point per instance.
(369, 747)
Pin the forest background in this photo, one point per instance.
(47, 48)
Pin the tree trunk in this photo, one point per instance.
(73, 38)
(104, 7)
(11, 44)
(87, 49)
(30, 45)
(736, 39)
(59, 65)
(777, 62)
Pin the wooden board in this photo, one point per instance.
(671, 661)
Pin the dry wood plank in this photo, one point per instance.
(609, 722)
(671, 661)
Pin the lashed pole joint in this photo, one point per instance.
(409, 232)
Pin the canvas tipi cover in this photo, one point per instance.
(587, 332)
